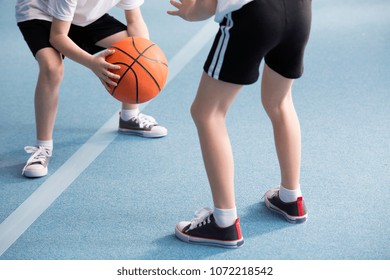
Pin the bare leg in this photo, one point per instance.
(278, 103)
(51, 70)
(209, 111)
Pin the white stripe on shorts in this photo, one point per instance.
(216, 64)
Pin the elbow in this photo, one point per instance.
(55, 41)
(52, 42)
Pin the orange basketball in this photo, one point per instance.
(143, 73)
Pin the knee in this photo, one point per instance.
(270, 106)
(207, 117)
(52, 71)
(276, 110)
(201, 115)
(196, 113)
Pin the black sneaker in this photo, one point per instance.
(142, 125)
(203, 230)
(294, 212)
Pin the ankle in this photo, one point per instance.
(288, 195)
(45, 143)
(225, 217)
(128, 114)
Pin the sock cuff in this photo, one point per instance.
(225, 217)
(128, 114)
(225, 212)
(45, 143)
(287, 195)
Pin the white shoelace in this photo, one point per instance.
(39, 155)
(202, 217)
(144, 121)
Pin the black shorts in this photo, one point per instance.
(37, 33)
(276, 30)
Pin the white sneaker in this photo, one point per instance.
(142, 125)
(38, 162)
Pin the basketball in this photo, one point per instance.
(143, 73)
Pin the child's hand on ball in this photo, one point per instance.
(102, 68)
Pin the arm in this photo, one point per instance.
(136, 25)
(60, 40)
(194, 10)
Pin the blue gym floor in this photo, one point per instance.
(111, 196)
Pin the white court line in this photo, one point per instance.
(30, 210)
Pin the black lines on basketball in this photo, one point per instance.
(140, 54)
(119, 80)
(143, 72)
(146, 57)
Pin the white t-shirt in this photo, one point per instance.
(226, 6)
(79, 12)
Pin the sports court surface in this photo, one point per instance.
(111, 196)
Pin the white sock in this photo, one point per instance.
(225, 217)
(287, 195)
(128, 114)
(45, 143)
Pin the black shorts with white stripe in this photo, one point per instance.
(276, 30)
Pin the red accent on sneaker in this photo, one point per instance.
(238, 228)
(301, 210)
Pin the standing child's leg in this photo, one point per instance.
(209, 113)
(221, 226)
(278, 103)
(51, 70)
